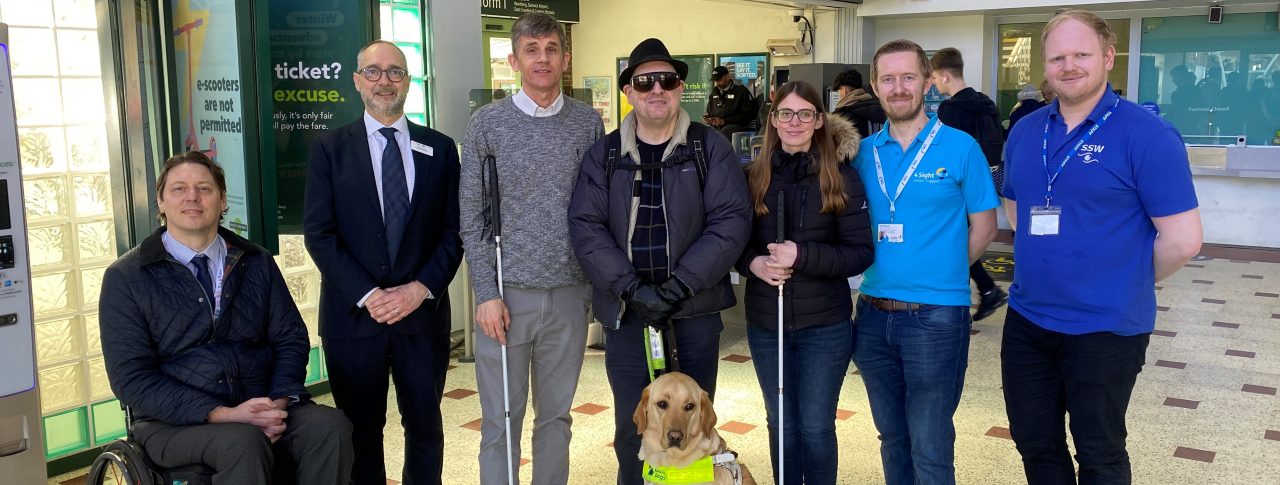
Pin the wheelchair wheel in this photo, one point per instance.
(119, 464)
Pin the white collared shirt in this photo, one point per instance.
(377, 143)
(526, 105)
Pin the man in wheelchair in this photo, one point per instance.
(204, 344)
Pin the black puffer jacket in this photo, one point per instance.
(831, 247)
(707, 225)
(168, 359)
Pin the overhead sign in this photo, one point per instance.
(562, 10)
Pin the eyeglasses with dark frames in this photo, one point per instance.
(373, 74)
(786, 115)
(645, 82)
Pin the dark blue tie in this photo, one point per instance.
(395, 193)
(202, 275)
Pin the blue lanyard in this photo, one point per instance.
(1044, 150)
(906, 177)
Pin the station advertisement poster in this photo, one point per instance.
(208, 81)
(751, 70)
(313, 56)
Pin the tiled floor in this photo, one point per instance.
(1204, 410)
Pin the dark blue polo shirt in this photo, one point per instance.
(1097, 274)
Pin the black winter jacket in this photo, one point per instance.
(974, 113)
(863, 110)
(831, 247)
(707, 226)
(168, 359)
(735, 105)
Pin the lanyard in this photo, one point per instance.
(906, 177)
(1044, 150)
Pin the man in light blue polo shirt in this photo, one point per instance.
(1105, 208)
(932, 205)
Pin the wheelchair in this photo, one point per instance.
(125, 462)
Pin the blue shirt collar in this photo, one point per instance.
(1108, 100)
(217, 250)
(883, 137)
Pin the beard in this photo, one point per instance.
(374, 105)
(903, 114)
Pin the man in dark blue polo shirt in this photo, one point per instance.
(1105, 208)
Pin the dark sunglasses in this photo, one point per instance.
(645, 82)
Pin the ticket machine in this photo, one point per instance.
(22, 459)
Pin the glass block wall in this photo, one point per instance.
(402, 23)
(62, 137)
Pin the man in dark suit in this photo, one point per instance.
(381, 222)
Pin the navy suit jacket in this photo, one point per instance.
(344, 232)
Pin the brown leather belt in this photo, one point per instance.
(889, 304)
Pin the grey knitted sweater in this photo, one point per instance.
(538, 160)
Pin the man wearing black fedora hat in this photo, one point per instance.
(657, 219)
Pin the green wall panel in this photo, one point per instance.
(108, 422)
(66, 432)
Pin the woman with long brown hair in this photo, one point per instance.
(827, 240)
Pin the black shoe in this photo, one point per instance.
(991, 300)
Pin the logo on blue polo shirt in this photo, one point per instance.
(1090, 152)
(935, 176)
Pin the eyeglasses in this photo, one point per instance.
(786, 115)
(645, 82)
(373, 74)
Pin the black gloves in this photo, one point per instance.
(655, 304)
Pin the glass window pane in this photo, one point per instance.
(92, 335)
(75, 13)
(1211, 81)
(45, 197)
(96, 240)
(87, 147)
(78, 53)
(413, 54)
(384, 22)
(407, 24)
(57, 340)
(49, 246)
(416, 102)
(26, 12)
(38, 101)
(62, 387)
(50, 294)
(99, 385)
(43, 150)
(82, 99)
(91, 285)
(1022, 61)
(33, 52)
(92, 194)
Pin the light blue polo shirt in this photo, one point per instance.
(953, 180)
(1098, 274)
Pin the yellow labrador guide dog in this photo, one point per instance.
(679, 443)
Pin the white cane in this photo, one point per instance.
(495, 217)
(781, 237)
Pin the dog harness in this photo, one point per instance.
(700, 471)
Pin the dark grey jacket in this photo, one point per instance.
(168, 359)
(707, 226)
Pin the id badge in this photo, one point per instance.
(1044, 220)
(891, 233)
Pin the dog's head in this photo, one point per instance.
(675, 413)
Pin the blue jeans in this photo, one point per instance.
(817, 359)
(913, 365)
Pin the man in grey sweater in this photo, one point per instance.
(538, 137)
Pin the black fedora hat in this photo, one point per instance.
(650, 50)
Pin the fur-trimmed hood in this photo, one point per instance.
(845, 136)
